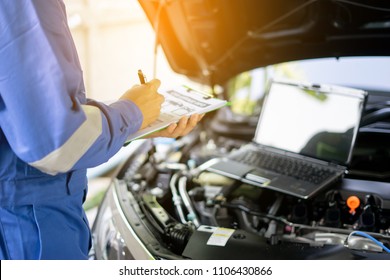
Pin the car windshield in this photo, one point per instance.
(369, 73)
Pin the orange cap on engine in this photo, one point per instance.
(353, 202)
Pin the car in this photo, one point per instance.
(166, 201)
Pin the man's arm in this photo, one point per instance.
(43, 110)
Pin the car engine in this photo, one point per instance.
(198, 214)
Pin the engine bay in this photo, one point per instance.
(198, 214)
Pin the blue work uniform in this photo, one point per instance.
(49, 134)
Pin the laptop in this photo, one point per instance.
(303, 141)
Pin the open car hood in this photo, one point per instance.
(212, 40)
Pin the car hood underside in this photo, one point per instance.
(213, 40)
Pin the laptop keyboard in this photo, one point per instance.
(286, 166)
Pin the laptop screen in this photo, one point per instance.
(319, 121)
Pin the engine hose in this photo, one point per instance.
(178, 236)
(177, 201)
(187, 201)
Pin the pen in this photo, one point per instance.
(141, 77)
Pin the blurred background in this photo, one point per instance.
(114, 39)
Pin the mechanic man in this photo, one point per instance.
(50, 132)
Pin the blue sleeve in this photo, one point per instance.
(44, 113)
